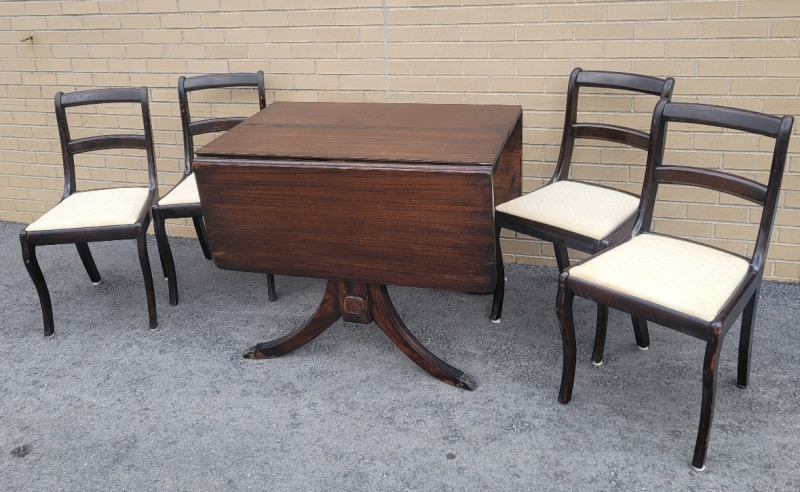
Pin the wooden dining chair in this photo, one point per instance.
(111, 214)
(690, 287)
(183, 200)
(573, 214)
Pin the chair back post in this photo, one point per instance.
(567, 140)
(188, 140)
(655, 152)
(773, 187)
(215, 81)
(148, 139)
(262, 93)
(629, 82)
(63, 132)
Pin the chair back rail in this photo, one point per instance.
(778, 128)
(630, 82)
(611, 133)
(714, 180)
(211, 125)
(626, 81)
(89, 144)
(70, 147)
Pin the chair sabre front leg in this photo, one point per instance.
(32, 265)
(88, 262)
(165, 254)
(144, 260)
(713, 346)
(565, 321)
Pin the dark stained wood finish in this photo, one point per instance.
(564, 238)
(190, 130)
(461, 138)
(363, 195)
(743, 301)
(389, 225)
(29, 240)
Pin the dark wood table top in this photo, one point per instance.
(371, 132)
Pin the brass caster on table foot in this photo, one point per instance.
(466, 382)
(254, 353)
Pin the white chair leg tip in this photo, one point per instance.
(644, 348)
(598, 364)
(496, 321)
(702, 468)
(98, 282)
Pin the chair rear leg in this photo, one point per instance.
(32, 265)
(746, 340)
(165, 254)
(271, 287)
(200, 229)
(88, 262)
(562, 256)
(156, 220)
(567, 325)
(144, 260)
(600, 335)
(710, 364)
(641, 332)
(499, 289)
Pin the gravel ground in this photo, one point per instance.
(109, 405)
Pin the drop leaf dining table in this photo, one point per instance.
(364, 195)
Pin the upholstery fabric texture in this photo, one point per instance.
(586, 209)
(671, 272)
(94, 208)
(184, 193)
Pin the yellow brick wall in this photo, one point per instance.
(741, 53)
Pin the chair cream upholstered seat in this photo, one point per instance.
(586, 209)
(680, 275)
(94, 208)
(184, 192)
